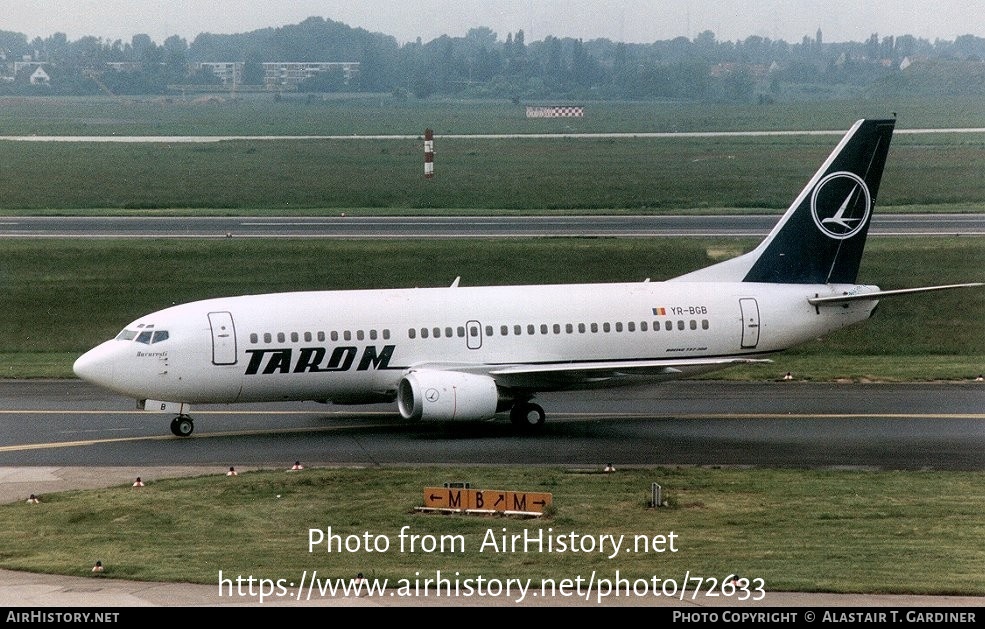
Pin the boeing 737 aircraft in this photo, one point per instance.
(459, 353)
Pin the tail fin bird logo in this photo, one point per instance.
(841, 204)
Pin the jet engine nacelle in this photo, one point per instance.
(443, 395)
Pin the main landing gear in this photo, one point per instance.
(527, 416)
(182, 426)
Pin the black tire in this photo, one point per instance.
(182, 426)
(527, 416)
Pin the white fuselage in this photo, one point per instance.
(355, 346)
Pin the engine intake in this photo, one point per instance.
(431, 394)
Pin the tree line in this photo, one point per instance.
(481, 64)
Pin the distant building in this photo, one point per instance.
(290, 74)
(34, 70)
(124, 66)
(40, 77)
(229, 72)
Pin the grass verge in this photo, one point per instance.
(798, 530)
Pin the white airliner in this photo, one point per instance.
(461, 353)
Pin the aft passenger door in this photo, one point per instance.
(223, 338)
(750, 322)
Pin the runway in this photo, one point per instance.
(456, 226)
(935, 426)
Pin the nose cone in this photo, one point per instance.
(98, 366)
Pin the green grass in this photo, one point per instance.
(382, 114)
(819, 364)
(836, 531)
(640, 175)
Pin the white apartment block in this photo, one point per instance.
(229, 72)
(290, 74)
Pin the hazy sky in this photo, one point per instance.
(620, 20)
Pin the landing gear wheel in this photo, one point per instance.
(182, 426)
(527, 416)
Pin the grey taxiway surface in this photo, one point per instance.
(802, 424)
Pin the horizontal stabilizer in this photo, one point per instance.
(843, 299)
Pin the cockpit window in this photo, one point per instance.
(147, 337)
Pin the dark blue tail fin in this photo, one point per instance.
(821, 237)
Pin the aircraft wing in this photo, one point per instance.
(561, 375)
